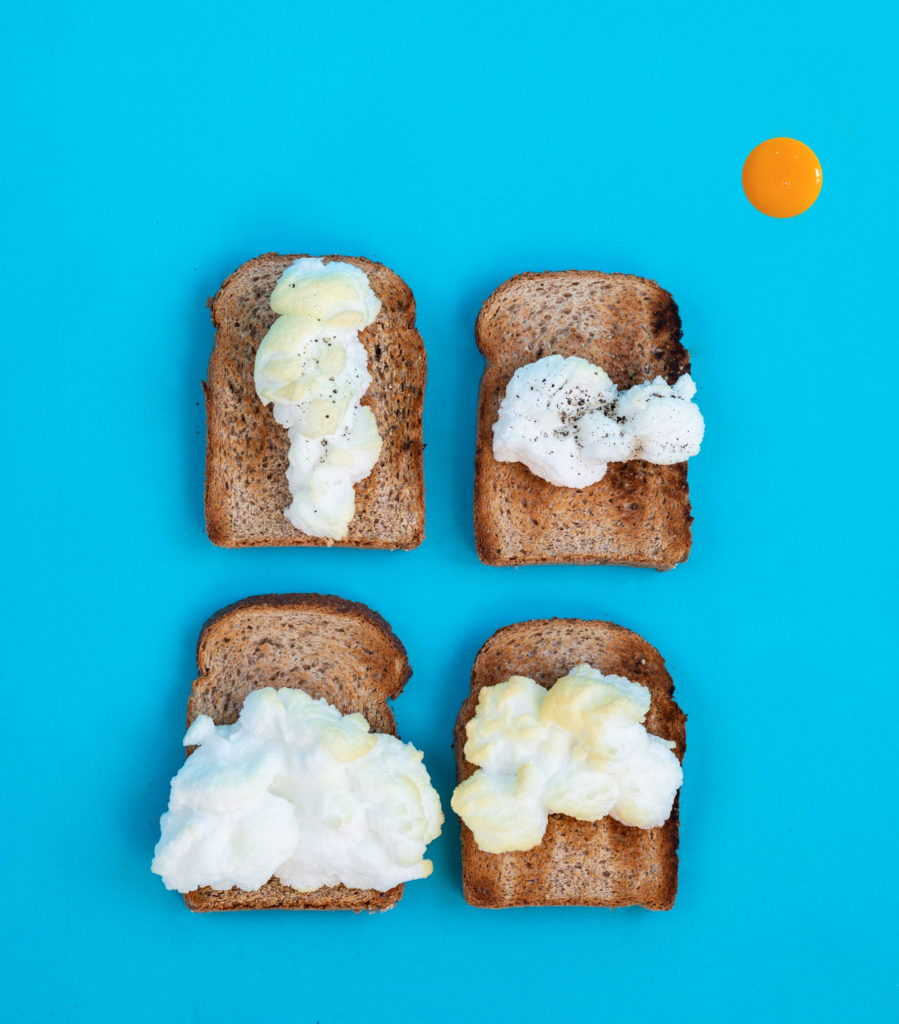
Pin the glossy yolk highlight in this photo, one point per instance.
(782, 177)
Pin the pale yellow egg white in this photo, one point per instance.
(579, 749)
(313, 369)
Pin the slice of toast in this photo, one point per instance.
(579, 863)
(246, 449)
(639, 513)
(331, 648)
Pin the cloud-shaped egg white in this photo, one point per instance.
(579, 748)
(297, 791)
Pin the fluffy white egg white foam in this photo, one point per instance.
(565, 419)
(297, 791)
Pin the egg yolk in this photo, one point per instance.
(782, 177)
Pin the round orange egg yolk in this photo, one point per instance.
(782, 177)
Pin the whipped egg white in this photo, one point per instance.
(297, 791)
(579, 748)
(313, 369)
(565, 419)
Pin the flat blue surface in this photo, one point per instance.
(150, 150)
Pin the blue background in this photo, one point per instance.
(150, 150)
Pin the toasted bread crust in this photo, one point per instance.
(639, 513)
(579, 863)
(340, 650)
(247, 450)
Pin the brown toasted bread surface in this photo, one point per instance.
(579, 863)
(331, 648)
(639, 513)
(247, 450)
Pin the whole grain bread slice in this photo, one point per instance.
(579, 863)
(331, 648)
(246, 449)
(639, 513)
